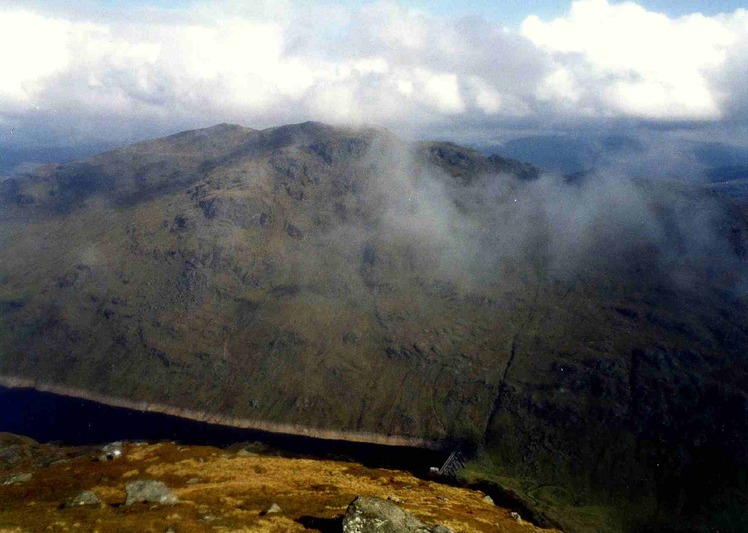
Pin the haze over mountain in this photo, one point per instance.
(635, 154)
(344, 283)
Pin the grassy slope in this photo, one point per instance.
(223, 489)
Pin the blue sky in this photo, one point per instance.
(510, 12)
(513, 12)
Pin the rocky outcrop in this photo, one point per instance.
(25, 454)
(83, 498)
(15, 448)
(149, 491)
(367, 514)
(16, 478)
(221, 491)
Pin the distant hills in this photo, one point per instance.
(571, 154)
(341, 282)
(16, 159)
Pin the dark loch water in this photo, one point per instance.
(47, 417)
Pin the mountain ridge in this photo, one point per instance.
(582, 333)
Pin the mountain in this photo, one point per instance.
(587, 335)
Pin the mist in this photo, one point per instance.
(487, 230)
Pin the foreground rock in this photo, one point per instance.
(17, 478)
(275, 508)
(14, 448)
(27, 454)
(84, 498)
(149, 491)
(367, 514)
(111, 452)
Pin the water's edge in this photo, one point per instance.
(47, 416)
(12, 382)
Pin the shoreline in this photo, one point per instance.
(14, 382)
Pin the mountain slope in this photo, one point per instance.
(345, 283)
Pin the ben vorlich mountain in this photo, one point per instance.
(344, 283)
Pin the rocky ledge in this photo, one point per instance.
(169, 487)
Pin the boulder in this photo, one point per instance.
(275, 508)
(111, 451)
(149, 491)
(84, 498)
(367, 514)
(14, 448)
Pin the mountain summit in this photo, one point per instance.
(343, 283)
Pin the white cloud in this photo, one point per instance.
(643, 64)
(559, 87)
(405, 86)
(732, 78)
(442, 90)
(276, 62)
(487, 98)
(33, 48)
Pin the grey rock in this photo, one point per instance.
(84, 498)
(293, 231)
(17, 478)
(16, 448)
(243, 212)
(149, 491)
(488, 499)
(246, 453)
(275, 508)
(367, 514)
(111, 451)
(12, 454)
(112, 446)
